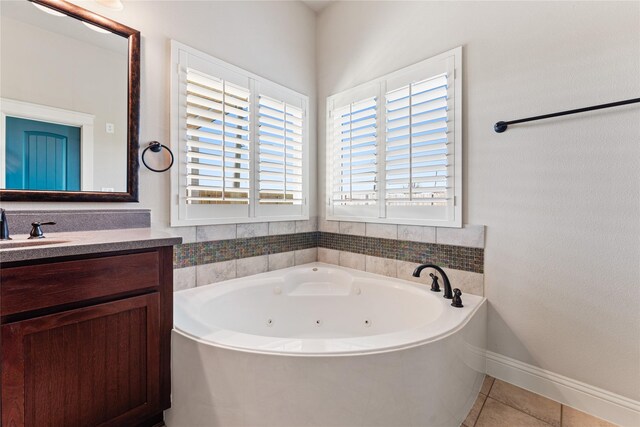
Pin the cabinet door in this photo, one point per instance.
(85, 367)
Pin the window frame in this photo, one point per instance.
(379, 213)
(257, 85)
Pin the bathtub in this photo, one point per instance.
(321, 345)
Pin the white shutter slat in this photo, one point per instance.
(280, 148)
(422, 169)
(441, 80)
(204, 156)
(431, 95)
(215, 136)
(211, 115)
(398, 192)
(200, 123)
(267, 156)
(365, 104)
(217, 140)
(407, 152)
(436, 104)
(215, 168)
(203, 79)
(204, 103)
(280, 152)
(222, 200)
(205, 93)
(428, 116)
(276, 113)
(415, 180)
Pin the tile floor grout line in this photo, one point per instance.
(481, 408)
(486, 396)
(491, 386)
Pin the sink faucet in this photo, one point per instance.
(447, 285)
(4, 226)
(36, 231)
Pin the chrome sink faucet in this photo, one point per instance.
(448, 294)
(4, 226)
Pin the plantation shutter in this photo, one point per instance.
(417, 138)
(240, 143)
(280, 144)
(395, 151)
(218, 140)
(354, 153)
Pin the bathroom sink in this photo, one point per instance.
(28, 243)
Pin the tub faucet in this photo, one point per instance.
(447, 285)
(4, 226)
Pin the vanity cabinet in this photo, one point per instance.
(85, 340)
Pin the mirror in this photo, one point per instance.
(69, 104)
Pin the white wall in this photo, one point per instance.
(274, 39)
(560, 198)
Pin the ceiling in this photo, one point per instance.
(317, 5)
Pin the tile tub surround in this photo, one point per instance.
(502, 404)
(395, 250)
(219, 251)
(447, 256)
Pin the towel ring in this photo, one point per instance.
(156, 147)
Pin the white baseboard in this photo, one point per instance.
(584, 397)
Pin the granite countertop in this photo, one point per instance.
(83, 242)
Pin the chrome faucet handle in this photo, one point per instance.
(36, 230)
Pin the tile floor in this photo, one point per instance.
(501, 404)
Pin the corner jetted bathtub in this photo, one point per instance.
(321, 345)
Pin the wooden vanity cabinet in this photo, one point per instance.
(85, 341)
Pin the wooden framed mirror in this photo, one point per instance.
(70, 103)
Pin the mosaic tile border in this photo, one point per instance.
(449, 256)
(198, 253)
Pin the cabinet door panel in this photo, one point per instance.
(86, 367)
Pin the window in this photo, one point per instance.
(354, 153)
(240, 141)
(280, 141)
(394, 147)
(217, 141)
